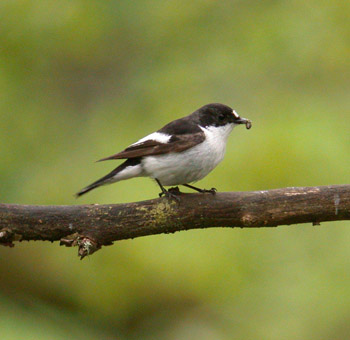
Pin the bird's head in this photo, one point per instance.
(220, 115)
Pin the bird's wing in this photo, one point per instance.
(149, 147)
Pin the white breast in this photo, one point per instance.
(190, 165)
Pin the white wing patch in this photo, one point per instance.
(157, 136)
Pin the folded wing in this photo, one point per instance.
(151, 147)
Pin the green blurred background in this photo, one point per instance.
(80, 80)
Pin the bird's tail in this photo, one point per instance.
(102, 181)
(130, 168)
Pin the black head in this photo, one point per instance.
(218, 115)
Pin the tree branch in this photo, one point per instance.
(92, 226)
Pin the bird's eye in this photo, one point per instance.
(221, 116)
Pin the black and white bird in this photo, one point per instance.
(182, 152)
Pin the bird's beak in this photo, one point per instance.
(241, 120)
(247, 122)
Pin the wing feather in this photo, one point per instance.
(151, 147)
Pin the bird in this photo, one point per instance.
(182, 152)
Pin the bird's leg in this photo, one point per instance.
(212, 190)
(171, 193)
(162, 188)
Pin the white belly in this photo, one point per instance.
(190, 165)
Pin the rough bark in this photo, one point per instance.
(92, 226)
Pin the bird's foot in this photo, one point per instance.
(203, 191)
(210, 191)
(172, 193)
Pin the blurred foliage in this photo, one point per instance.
(81, 79)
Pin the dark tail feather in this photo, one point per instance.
(87, 189)
(96, 184)
(108, 177)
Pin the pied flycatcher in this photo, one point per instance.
(182, 152)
